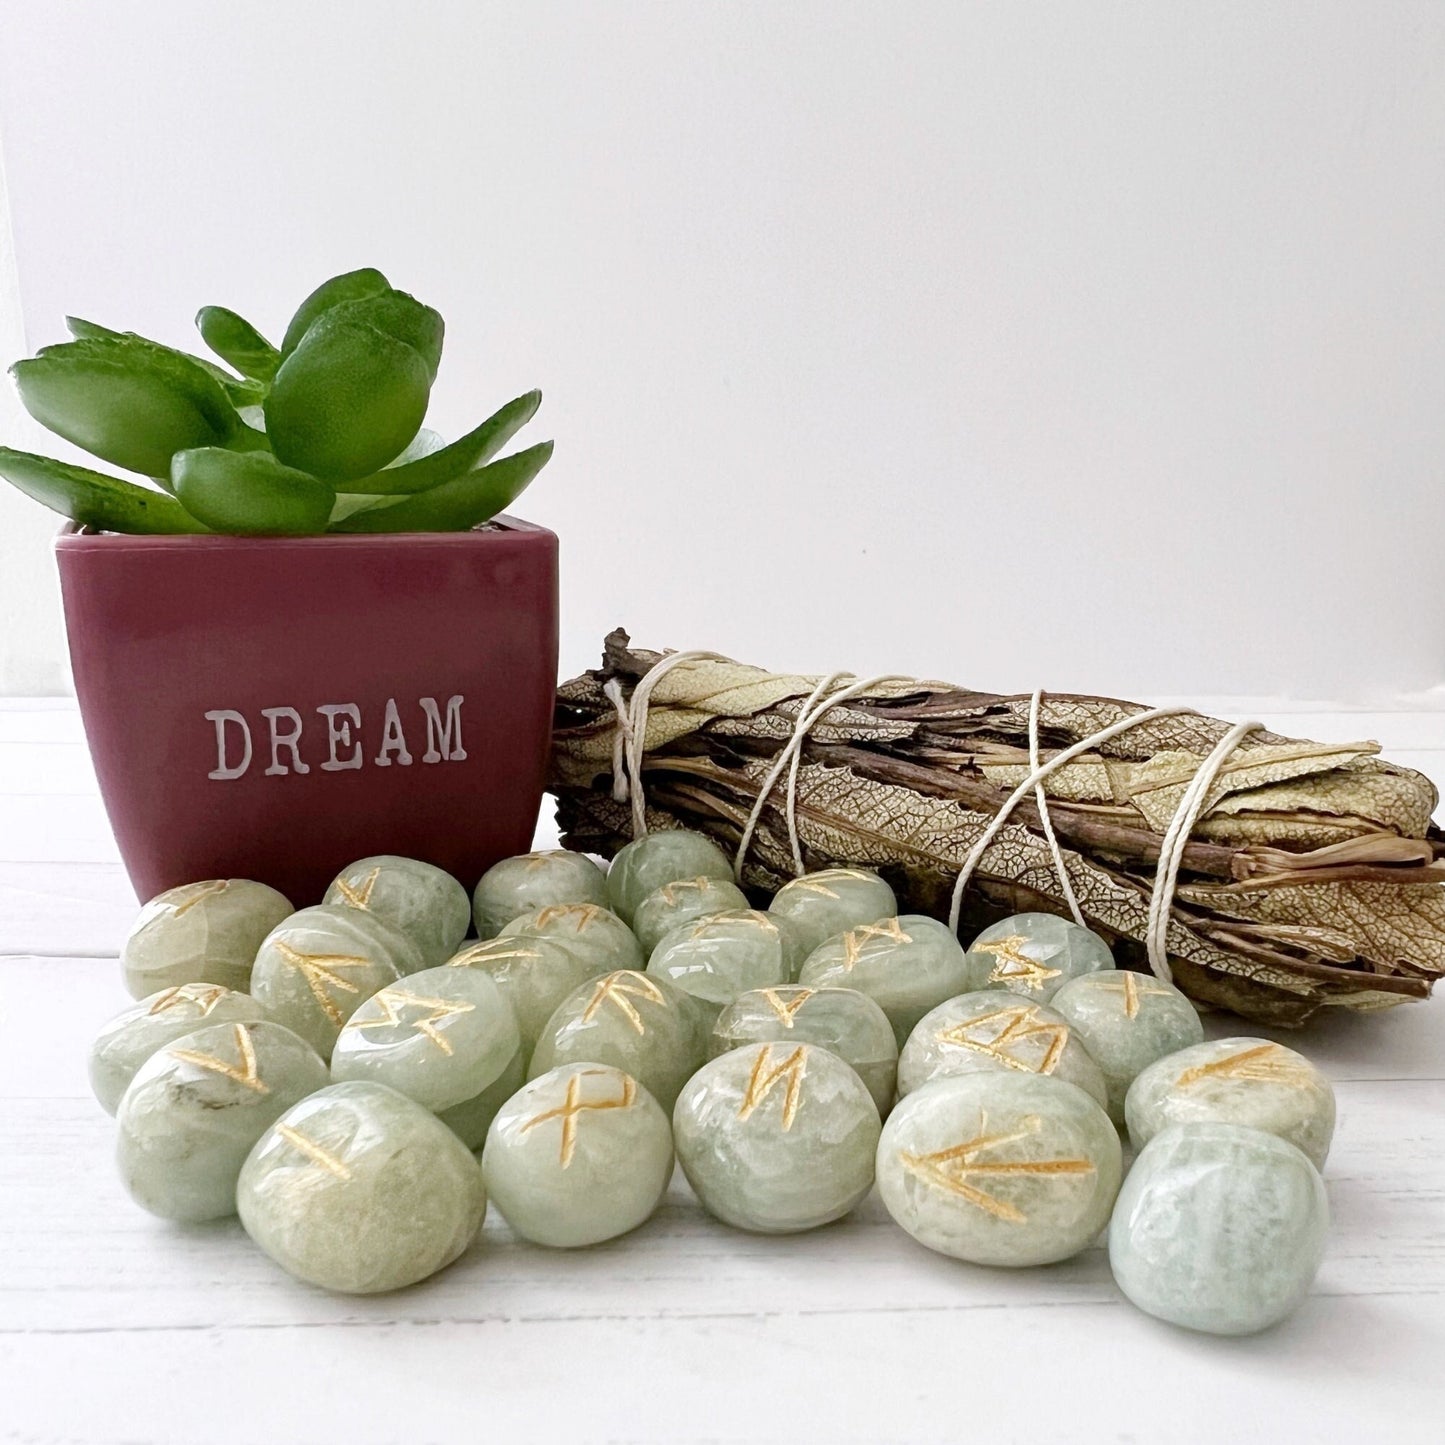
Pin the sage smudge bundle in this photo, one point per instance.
(1310, 878)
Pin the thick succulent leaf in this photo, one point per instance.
(93, 499)
(458, 505)
(401, 316)
(238, 343)
(349, 286)
(240, 390)
(463, 455)
(126, 400)
(346, 401)
(249, 493)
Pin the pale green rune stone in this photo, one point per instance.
(526, 884)
(652, 862)
(907, 965)
(319, 966)
(1000, 1168)
(1236, 1081)
(470, 1120)
(201, 933)
(359, 1189)
(195, 1107)
(594, 935)
(821, 905)
(776, 1138)
(130, 1038)
(717, 958)
(1035, 955)
(1126, 1020)
(580, 1155)
(685, 901)
(841, 1020)
(989, 1031)
(645, 1026)
(441, 1037)
(534, 975)
(425, 902)
(1219, 1228)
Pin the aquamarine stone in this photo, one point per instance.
(1000, 1168)
(1236, 1081)
(907, 965)
(359, 1189)
(1034, 955)
(719, 957)
(534, 975)
(1126, 1020)
(1219, 1227)
(776, 1138)
(645, 1026)
(130, 1038)
(441, 1037)
(676, 904)
(819, 906)
(580, 1155)
(200, 933)
(841, 1020)
(987, 1031)
(318, 967)
(425, 902)
(595, 936)
(527, 884)
(195, 1107)
(652, 862)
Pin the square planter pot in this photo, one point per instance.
(275, 708)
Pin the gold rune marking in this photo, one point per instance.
(994, 1034)
(313, 1151)
(762, 1079)
(615, 988)
(787, 1010)
(584, 913)
(320, 970)
(952, 1168)
(195, 892)
(688, 885)
(1265, 1064)
(244, 1073)
(393, 1000)
(890, 930)
(358, 895)
(814, 885)
(1013, 965)
(205, 996)
(541, 859)
(574, 1104)
(485, 953)
(1133, 986)
(716, 920)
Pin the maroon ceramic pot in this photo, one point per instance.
(275, 708)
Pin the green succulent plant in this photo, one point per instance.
(321, 434)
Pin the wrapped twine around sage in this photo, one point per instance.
(1307, 873)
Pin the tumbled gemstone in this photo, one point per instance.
(1034, 955)
(593, 935)
(676, 904)
(425, 902)
(717, 958)
(651, 862)
(821, 905)
(527, 884)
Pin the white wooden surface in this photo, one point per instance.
(117, 1327)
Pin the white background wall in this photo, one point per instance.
(1093, 345)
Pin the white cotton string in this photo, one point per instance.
(1176, 837)
(1042, 799)
(620, 739)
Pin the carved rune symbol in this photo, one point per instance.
(998, 1033)
(1266, 1064)
(195, 892)
(205, 996)
(687, 885)
(244, 1073)
(1013, 965)
(313, 1151)
(578, 914)
(321, 972)
(763, 1077)
(814, 885)
(951, 1169)
(358, 895)
(1133, 986)
(488, 952)
(786, 1009)
(542, 859)
(394, 1000)
(573, 1104)
(854, 941)
(615, 988)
